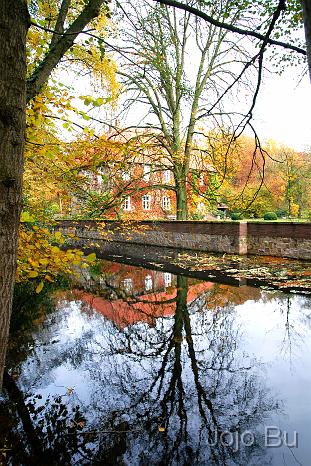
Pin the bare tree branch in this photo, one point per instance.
(59, 26)
(306, 8)
(230, 27)
(43, 71)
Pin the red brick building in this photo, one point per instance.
(145, 189)
(141, 183)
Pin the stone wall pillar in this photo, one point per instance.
(243, 243)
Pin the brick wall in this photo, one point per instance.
(273, 239)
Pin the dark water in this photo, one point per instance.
(141, 367)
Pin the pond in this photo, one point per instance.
(137, 366)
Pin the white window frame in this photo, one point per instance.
(126, 176)
(128, 284)
(146, 202)
(147, 170)
(167, 279)
(167, 176)
(202, 181)
(148, 283)
(166, 203)
(127, 203)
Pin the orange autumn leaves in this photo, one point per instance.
(42, 259)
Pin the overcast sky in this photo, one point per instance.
(283, 109)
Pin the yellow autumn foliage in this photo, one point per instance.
(102, 67)
(41, 257)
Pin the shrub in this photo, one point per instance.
(281, 213)
(218, 214)
(237, 216)
(197, 216)
(270, 216)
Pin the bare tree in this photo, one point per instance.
(177, 67)
(304, 5)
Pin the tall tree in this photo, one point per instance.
(13, 17)
(294, 171)
(176, 67)
(70, 20)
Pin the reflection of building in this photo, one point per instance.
(144, 308)
(134, 280)
(141, 295)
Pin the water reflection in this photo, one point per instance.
(143, 367)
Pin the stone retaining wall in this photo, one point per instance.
(264, 238)
(280, 239)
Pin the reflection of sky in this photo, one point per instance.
(89, 353)
(288, 372)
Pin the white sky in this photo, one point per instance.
(283, 109)
(282, 112)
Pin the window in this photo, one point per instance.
(202, 179)
(99, 181)
(127, 203)
(166, 203)
(167, 176)
(146, 172)
(126, 176)
(146, 202)
(148, 283)
(167, 279)
(128, 284)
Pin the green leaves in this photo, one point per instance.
(101, 47)
(96, 102)
(26, 218)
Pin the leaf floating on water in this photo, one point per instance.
(161, 429)
(91, 257)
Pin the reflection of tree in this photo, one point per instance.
(295, 326)
(49, 431)
(174, 388)
(192, 392)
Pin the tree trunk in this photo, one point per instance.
(43, 71)
(181, 201)
(306, 8)
(14, 22)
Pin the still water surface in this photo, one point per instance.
(142, 367)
